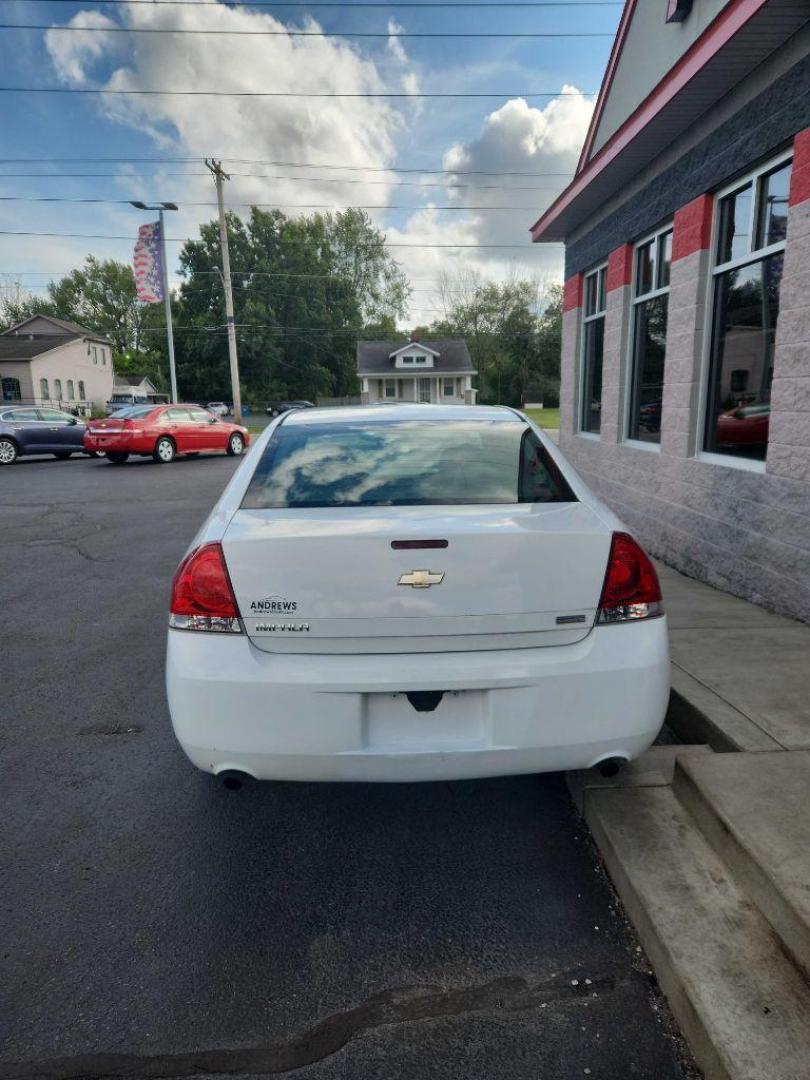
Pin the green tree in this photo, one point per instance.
(17, 305)
(304, 290)
(101, 296)
(511, 331)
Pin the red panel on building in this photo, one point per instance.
(800, 173)
(572, 293)
(692, 230)
(620, 267)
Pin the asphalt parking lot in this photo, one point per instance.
(154, 924)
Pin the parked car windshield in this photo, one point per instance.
(404, 463)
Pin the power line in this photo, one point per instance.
(425, 4)
(280, 165)
(275, 176)
(284, 93)
(193, 240)
(308, 33)
(273, 205)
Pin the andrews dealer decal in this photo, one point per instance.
(273, 605)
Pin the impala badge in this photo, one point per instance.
(421, 579)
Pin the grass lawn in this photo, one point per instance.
(545, 418)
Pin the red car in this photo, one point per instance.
(744, 426)
(163, 431)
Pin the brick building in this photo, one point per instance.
(685, 397)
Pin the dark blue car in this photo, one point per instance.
(29, 429)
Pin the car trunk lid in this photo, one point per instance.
(328, 580)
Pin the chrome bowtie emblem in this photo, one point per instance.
(421, 579)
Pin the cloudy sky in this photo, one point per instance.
(472, 171)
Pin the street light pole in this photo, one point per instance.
(168, 301)
(165, 282)
(219, 176)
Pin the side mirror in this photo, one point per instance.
(214, 420)
(73, 420)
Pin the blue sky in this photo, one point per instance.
(536, 136)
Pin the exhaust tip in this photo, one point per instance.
(232, 779)
(611, 767)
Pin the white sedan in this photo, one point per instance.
(412, 593)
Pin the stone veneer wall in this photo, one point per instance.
(743, 531)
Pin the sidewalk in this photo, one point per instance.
(740, 675)
(710, 851)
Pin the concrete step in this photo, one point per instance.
(655, 768)
(741, 1002)
(754, 809)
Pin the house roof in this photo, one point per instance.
(132, 380)
(64, 328)
(375, 357)
(25, 348)
(734, 43)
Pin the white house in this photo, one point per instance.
(431, 371)
(48, 361)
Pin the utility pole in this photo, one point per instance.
(219, 176)
(165, 282)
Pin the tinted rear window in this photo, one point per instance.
(130, 414)
(404, 463)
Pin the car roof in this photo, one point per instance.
(415, 411)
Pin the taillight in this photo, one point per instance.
(631, 590)
(202, 595)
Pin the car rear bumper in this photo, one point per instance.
(304, 717)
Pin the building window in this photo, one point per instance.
(749, 254)
(57, 389)
(11, 389)
(95, 355)
(449, 388)
(593, 343)
(653, 260)
(390, 388)
(81, 391)
(71, 392)
(44, 392)
(103, 356)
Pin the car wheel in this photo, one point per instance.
(95, 453)
(164, 451)
(63, 455)
(117, 459)
(8, 452)
(236, 444)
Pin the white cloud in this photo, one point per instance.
(516, 138)
(72, 51)
(352, 131)
(394, 44)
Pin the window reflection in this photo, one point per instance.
(746, 312)
(650, 338)
(773, 207)
(592, 371)
(406, 463)
(734, 239)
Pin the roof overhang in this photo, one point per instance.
(413, 345)
(740, 38)
(416, 373)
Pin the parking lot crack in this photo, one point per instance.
(405, 1005)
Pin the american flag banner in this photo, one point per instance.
(149, 264)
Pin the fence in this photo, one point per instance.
(77, 408)
(353, 399)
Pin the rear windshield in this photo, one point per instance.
(404, 463)
(131, 413)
